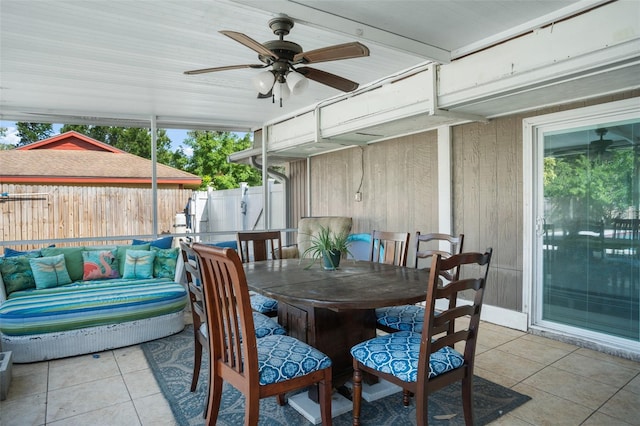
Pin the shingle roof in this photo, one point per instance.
(86, 166)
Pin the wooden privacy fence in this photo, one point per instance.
(47, 212)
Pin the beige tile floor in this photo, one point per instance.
(568, 386)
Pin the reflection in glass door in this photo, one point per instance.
(590, 229)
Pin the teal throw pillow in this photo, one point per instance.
(72, 258)
(138, 264)
(122, 255)
(164, 265)
(16, 273)
(50, 271)
(100, 264)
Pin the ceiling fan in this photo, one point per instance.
(282, 56)
(598, 147)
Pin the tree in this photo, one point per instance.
(136, 141)
(209, 159)
(33, 132)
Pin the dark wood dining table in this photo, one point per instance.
(334, 310)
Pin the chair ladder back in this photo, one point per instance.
(389, 247)
(437, 243)
(262, 245)
(230, 314)
(437, 332)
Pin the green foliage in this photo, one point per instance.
(326, 242)
(136, 141)
(209, 159)
(33, 132)
(598, 188)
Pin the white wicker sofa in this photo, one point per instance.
(43, 321)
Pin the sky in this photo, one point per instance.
(177, 136)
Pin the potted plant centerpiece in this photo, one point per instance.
(329, 247)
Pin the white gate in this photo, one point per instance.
(232, 210)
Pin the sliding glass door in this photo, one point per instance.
(588, 226)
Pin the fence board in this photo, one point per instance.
(84, 212)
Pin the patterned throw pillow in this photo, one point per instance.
(49, 271)
(164, 265)
(9, 252)
(16, 273)
(100, 264)
(138, 264)
(72, 258)
(122, 254)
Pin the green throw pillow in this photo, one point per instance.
(100, 264)
(72, 258)
(50, 271)
(16, 273)
(164, 265)
(139, 264)
(122, 255)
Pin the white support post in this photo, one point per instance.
(444, 181)
(154, 175)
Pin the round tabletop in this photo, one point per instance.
(354, 285)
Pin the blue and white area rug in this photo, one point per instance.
(171, 360)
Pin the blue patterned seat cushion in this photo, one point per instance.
(263, 304)
(282, 358)
(398, 353)
(402, 318)
(264, 326)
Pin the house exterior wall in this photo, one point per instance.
(400, 190)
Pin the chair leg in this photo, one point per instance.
(467, 400)
(422, 408)
(325, 390)
(197, 360)
(280, 399)
(406, 397)
(212, 404)
(357, 393)
(252, 408)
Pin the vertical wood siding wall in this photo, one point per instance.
(400, 190)
(85, 211)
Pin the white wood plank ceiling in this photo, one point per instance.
(110, 62)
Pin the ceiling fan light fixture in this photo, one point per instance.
(281, 92)
(297, 82)
(263, 81)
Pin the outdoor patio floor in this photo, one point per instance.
(568, 385)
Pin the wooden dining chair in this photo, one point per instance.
(389, 247)
(198, 314)
(422, 363)
(410, 317)
(256, 246)
(264, 326)
(259, 368)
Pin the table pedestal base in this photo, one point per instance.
(376, 391)
(311, 410)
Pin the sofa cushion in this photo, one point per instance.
(85, 304)
(100, 264)
(16, 273)
(72, 259)
(164, 264)
(138, 264)
(49, 271)
(161, 243)
(9, 252)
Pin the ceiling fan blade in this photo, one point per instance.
(332, 53)
(250, 43)
(328, 79)
(225, 68)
